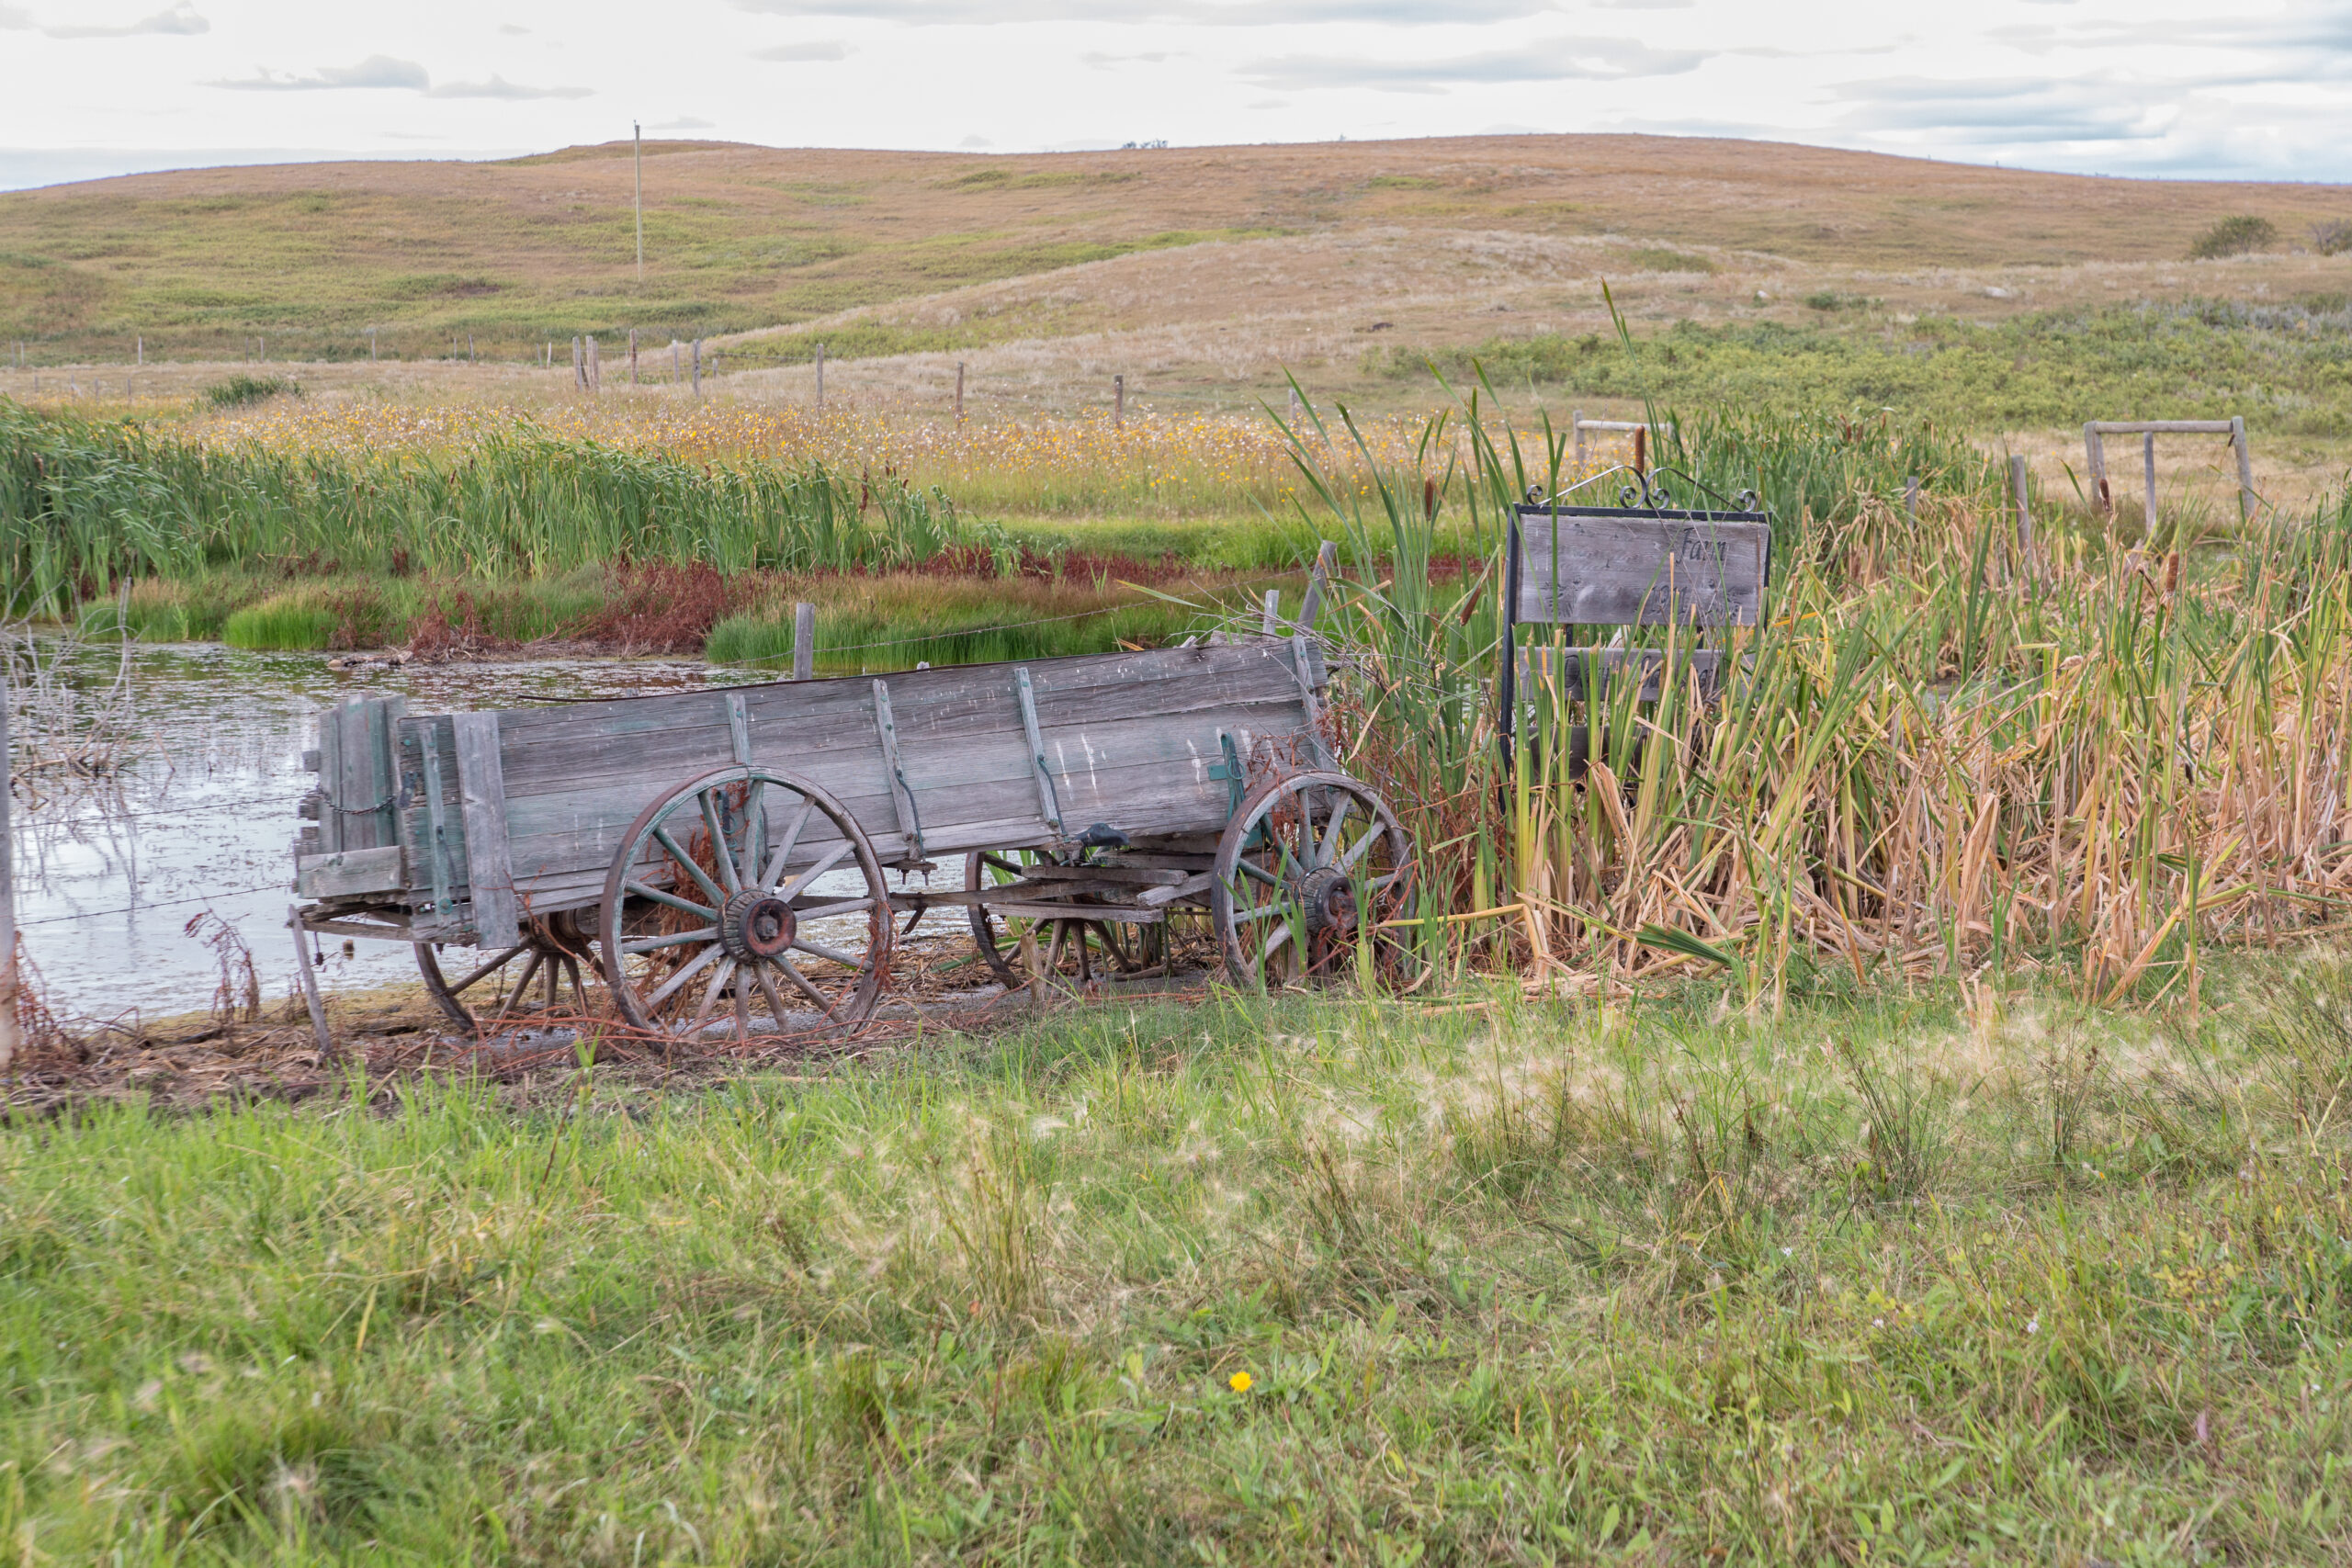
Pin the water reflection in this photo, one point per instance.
(204, 816)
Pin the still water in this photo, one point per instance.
(203, 817)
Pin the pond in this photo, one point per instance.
(202, 818)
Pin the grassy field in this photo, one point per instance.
(1882, 1109)
(1939, 1276)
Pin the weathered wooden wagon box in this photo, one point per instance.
(739, 835)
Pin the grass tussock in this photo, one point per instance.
(1570, 1281)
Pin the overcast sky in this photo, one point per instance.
(2182, 87)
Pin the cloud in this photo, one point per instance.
(2000, 111)
(500, 88)
(683, 122)
(376, 71)
(976, 140)
(381, 71)
(1549, 59)
(1101, 61)
(1225, 13)
(180, 20)
(820, 48)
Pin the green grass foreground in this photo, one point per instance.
(1298, 1282)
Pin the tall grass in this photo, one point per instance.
(1936, 755)
(83, 503)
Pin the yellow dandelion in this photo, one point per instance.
(1239, 1382)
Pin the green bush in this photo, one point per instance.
(2235, 237)
(239, 390)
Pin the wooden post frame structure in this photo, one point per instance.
(2095, 455)
(1638, 429)
(713, 854)
(1602, 566)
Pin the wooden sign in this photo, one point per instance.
(1601, 566)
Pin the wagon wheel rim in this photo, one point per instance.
(717, 920)
(493, 989)
(1072, 940)
(1310, 867)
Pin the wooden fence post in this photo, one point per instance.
(2095, 460)
(9, 1040)
(2148, 458)
(820, 374)
(142, 358)
(2245, 468)
(372, 345)
(632, 356)
(2025, 515)
(1312, 604)
(1273, 615)
(1118, 402)
(804, 641)
(959, 392)
(697, 367)
(471, 358)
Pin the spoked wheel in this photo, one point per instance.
(747, 899)
(1309, 869)
(1074, 947)
(497, 989)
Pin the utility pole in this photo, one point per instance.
(637, 133)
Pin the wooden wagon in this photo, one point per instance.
(721, 859)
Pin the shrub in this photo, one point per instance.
(2333, 237)
(239, 390)
(2234, 237)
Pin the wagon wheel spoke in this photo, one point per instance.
(669, 987)
(721, 850)
(1356, 851)
(1251, 869)
(692, 868)
(827, 911)
(710, 995)
(579, 985)
(684, 906)
(742, 1008)
(498, 962)
(521, 986)
(682, 938)
(783, 851)
(1330, 840)
(768, 990)
(997, 862)
(1275, 942)
(794, 888)
(754, 823)
(847, 960)
(792, 973)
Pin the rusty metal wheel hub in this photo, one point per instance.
(756, 923)
(1328, 897)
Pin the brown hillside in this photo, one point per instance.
(739, 237)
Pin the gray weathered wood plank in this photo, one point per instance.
(482, 792)
(1608, 570)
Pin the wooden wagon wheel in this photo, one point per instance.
(699, 911)
(1309, 864)
(1064, 946)
(551, 950)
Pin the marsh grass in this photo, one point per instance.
(1564, 1280)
